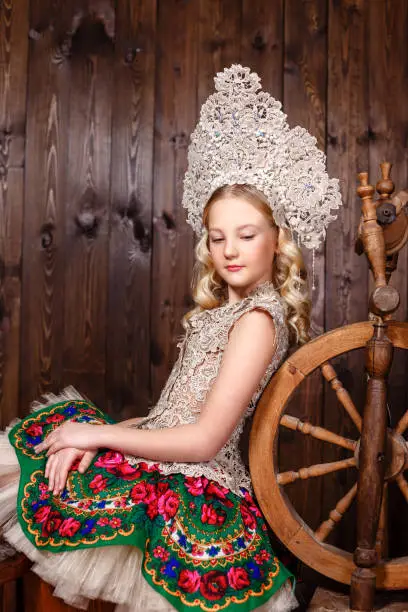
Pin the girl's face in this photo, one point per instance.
(242, 244)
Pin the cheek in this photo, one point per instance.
(262, 252)
(215, 253)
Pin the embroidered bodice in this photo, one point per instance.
(195, 370)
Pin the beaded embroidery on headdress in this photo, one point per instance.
(243, 137)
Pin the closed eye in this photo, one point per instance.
(248, 237)
(217, 239)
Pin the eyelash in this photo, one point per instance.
(215, 240)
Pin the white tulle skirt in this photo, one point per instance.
(110, 573)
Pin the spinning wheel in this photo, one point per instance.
(270, 483)
(379, 455)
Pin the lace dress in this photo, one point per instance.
(150, 536)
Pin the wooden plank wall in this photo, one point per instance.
(97, 101)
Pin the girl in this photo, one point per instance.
(157, 513)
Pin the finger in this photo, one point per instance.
(51, 478)
(48, 465)
(67, 460)
(58, 445)
(46, 443)
(86, 461)
(63, 474)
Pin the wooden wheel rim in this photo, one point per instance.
(278, 511)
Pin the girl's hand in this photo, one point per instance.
(59, 464)
(70, 435)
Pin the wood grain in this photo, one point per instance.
(219, 41)
(87, 213)
(262, 42)
(304, 96)
(13, 88)
(346, 273)
(175, 117)
(128, 346)
(43, 249)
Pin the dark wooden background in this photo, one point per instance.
(97, 101)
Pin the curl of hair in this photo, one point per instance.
(289, 275)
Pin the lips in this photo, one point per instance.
(234, 268)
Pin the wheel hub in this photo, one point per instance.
(396, 455)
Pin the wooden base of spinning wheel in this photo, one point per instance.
(331, 601)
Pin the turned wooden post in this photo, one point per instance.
(371, 470)
(378, 241)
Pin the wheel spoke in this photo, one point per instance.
(291, 422)
(315, 470)
(336, 514)
(342, 394)
(403, 485)
(402, 423)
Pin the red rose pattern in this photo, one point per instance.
(34, 430)
(168, 505)
(143, 492)
(98, 484)
(238, 578)
(216, 490)
(109, 459)
(189, 581)
(210, 516)
(213, 585)
(42, 514)
(247, 517)
(195, 486)
(52, 523)
(54, 418)
(69, 527)
(152, 510)
(115, 463)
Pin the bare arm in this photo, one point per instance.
(249, 351)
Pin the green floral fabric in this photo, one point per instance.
(204, 547)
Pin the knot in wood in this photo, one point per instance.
(87, 222)
(258, 42)
(130, 54)
(46, 238)
(180, 141)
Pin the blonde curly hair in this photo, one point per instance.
(289, 275)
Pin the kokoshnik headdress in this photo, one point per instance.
(243, 137)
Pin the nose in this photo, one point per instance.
(230, 249)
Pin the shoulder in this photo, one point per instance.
(264, 299)
(212, 328)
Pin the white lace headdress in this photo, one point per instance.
(243, 137)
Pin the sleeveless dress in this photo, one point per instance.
(150, 536)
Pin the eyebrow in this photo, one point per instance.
(241, 227)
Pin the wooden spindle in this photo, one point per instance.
(336, 514)
(342, 394)
(320, 469)
(291, 422)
